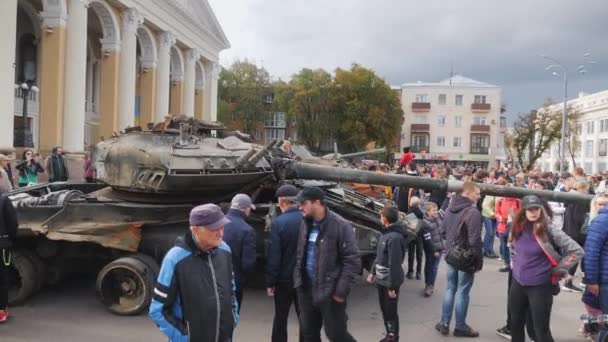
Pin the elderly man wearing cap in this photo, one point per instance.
(240, 236)
(195, 297)
(327, 261)
(281, 260)
(5, 179)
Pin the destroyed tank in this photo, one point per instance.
(121, 227)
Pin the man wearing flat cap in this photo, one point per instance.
(327, 262)
(241, 239)
(195, 297)
(281, 260)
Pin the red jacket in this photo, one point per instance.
(406, 158)
(501, 211)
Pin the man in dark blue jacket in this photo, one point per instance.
(596, 255)
(194, 298)
(327, 262)
(240, 236)
(281, 260)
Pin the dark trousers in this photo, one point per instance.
(572, 270)
(529, 324)
(239, 296)
(4, 284)
(284, 296)
(539, 301)
(415, 248)
(431, 265)
(330, 314)
(390, 314)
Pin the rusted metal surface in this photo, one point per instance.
(121, 236)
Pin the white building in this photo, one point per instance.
(84, 69)
(456, 120)
(592, 155)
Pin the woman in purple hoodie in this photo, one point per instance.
(541, 255)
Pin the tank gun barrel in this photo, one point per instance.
(363, 153)
(301, 170)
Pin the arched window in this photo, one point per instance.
(27, 63)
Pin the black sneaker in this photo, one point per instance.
(504, 269)
(504, 332)
(410, 275)
(491, 255)
(417, 276)
(466, 332)
(443, 328)
(428, 291)
(568, 286)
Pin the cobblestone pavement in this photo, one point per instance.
(71, 312)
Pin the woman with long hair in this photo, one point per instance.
(29, 168)
(541, 256)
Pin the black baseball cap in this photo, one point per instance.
(531, 202)
(310, 194)
(287, 190)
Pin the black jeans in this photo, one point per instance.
(4, 284)
(390, 313)
(284, 296)
(415, 248)
(330, 314)
(539, 301)
(529, 323)
(239, 296)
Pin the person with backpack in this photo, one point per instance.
(386, 271)
(462, 224)
(541, 256)
(415, 246)
(433, 238)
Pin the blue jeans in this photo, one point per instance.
(488, 240)
(505, 254)
(458, 289)
(431, 264)
(604, 298)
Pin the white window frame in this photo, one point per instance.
(458, 121)
(421, 119)
(458, 100)
(440, 141)
(480, 99)
(479, 120)
(443, 99)
(589, 127)
(441, 120)
(589, 149)
(422, 98)
(457, 141)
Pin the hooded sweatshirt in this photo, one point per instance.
(461, 209)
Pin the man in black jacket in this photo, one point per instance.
(8, 233)
(281, 260)
(387, 271)
(461, 214)
(241, 239)
(326, 264)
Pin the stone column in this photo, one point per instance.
(163, 74)
(192, 56)
(75, 77)
(212, 72)
(52, 73)
(8, 15)
(131, 19)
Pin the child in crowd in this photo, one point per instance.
(434, 245)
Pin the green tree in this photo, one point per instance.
(369, 110)
(241, 91)
(311, 103)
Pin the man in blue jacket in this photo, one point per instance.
(241, 239)
(194, 298)
(281, 260)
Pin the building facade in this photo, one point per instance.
(592, 151)
(77, 71)
(457, 120)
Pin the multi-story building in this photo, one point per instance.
(84, 69)
(456, 120)
(592, 152)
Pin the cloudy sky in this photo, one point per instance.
(498, 42)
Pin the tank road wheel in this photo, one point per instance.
(150, 263)
(22, 278)
(39, 267)
(125, 286)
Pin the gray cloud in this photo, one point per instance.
(497, 42)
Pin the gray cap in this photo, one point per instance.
(209, 216)
(242, 202)
(531, 201)
(287, 190)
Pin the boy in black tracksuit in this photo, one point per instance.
(433, 238)
(387, 272)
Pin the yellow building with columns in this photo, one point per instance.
(73, 72)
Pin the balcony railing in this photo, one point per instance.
(419, 148)
(420, 128)
(421, 106)
(479, 150)
(480, 128)
(480, 107)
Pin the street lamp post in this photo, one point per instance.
(26, 88)
(564, 73)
